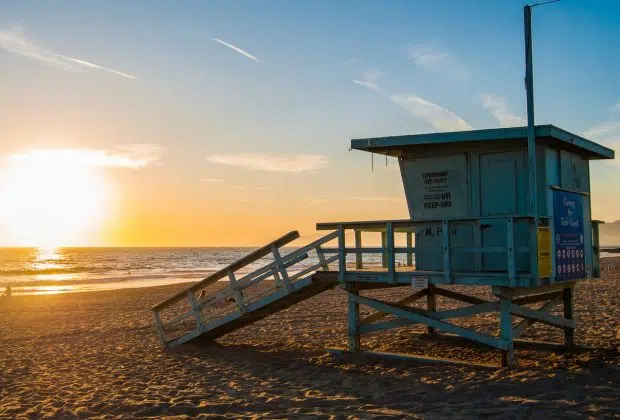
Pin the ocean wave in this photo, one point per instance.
(109, 279)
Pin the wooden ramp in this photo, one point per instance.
(225, 301)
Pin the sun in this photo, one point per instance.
(50, 199)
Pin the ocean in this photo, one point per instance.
(61, 270)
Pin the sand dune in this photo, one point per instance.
(96, 355)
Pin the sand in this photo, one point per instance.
(96, 355)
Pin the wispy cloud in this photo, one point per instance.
(239, 50)
(500, 110)
(606, 132)
(616, 107)
(317, 201)
(271, 162)
(12, 40)
(378, 199)
(126, 156)
(212, 180)
(437, 116)
(351, 61)
(369, 81)
(431, 55)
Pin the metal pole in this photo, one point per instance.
(531, 128)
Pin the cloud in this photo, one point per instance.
(351, 61)
(432, 56)
(440, 118)
(271, 162)
(616, 107)
(369, 81)
(239, 50)
(127, 156)
(212, 180)
(378, 198)
(12, 40)
(497, 106)
(317, 201)
(607, 132)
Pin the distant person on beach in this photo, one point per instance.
(7, 291)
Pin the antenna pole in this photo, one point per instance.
(531, 128)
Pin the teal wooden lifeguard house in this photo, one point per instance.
(508, 209)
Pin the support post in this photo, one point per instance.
(596, 249)
(511, 252)
(236, 292)
(409, 245)
(342, 255)
(195, 310)
(447, 270)
(431, 305)
(358, 254)
(354, 322)
(506, 332)
(391, 257)
(384, 256)
(281, 268)
(567, 297)
(160, 328)
(321, 255)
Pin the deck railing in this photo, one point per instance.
(446, 250)
(190, 312)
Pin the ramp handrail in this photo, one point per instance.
(240, 263)
(284, 284)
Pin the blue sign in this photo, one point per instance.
(569, 239)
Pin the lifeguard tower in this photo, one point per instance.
(504, 208)
(475, 220)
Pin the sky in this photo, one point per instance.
(229, 122)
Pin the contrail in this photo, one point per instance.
(239, 50)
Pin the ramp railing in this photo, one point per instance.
(226, 294)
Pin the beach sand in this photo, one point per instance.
(96, 354)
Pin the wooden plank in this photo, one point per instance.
(383, 251)
(567, 298)
(526, 323)
(409, 247)
(159, 328)
(514, 292)
(544, 317)
(353, 325)
(342, 255)
(506, 332)
(240, 263)
(390, 257)
(236, 292)
(321, 255)
(281, 268)
(510, 252)
(358, 255)
(338, 351)
(459, 296)
(379, 225)
(313, 268)
(431, 305)
(406, 301)
(525, 300)
(444, 326)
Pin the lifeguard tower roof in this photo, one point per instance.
(545, 134)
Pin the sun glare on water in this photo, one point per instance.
(50, 199)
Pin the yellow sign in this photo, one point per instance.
(544, 252)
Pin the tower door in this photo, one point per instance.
(502, 193)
